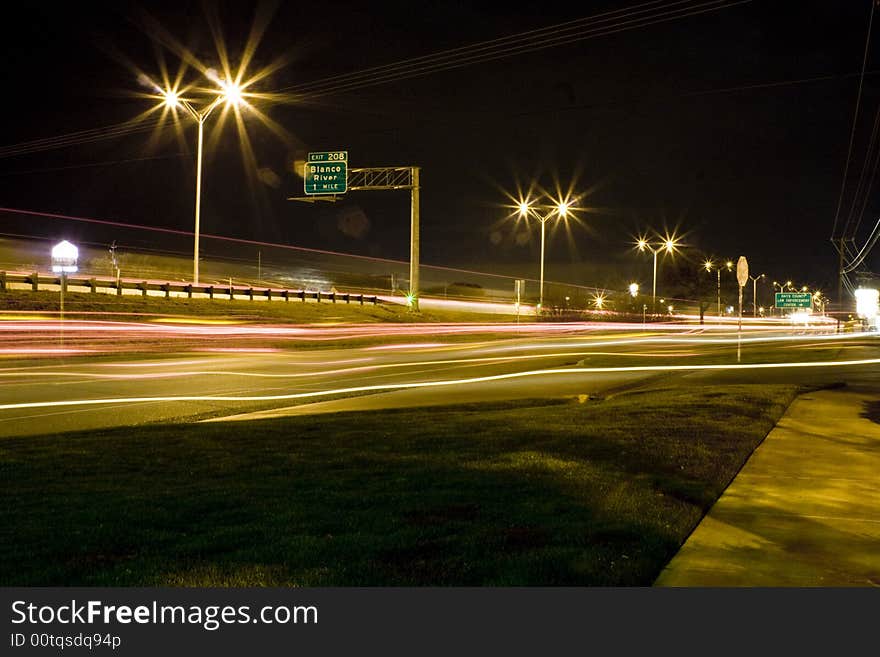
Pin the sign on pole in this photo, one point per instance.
(794, 300)
(742, 271)
(326, 173)
(742, 277)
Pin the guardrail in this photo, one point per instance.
(94, 284)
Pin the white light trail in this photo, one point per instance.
(427, 384)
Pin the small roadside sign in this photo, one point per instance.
(794, 300)
(326, 173)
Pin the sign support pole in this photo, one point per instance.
(370, 179)
(414, 243)
(742, 277)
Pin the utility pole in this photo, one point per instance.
(840, 276)
(414, 240)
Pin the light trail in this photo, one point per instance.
(37, 338)
(310, 332)
(443, 383)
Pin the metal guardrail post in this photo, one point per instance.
(211, 291)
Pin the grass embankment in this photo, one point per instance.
(79, 305)
(542, 492)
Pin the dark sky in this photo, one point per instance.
(672, 125)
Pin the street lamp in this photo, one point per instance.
(560, 210)
(754, 280)
(668, 245)
(708, 265)
(634, 289)
(230, 94)
(781, 287)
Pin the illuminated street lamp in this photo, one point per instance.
(634, 289)
(709, 265)
(668, 245)
(230, 94)
(754, 280)
(560, 210)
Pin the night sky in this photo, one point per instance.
(730, 127)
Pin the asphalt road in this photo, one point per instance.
(110, 375)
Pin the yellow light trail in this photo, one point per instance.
(428, 384)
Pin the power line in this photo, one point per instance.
(554, 35)
(90, 164)
(406, 71)
(855, 121)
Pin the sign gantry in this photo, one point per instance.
(326, 175)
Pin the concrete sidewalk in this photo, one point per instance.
(803, 511)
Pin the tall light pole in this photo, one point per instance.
(560, 210)
(668, 245)
(709, 265)
(754, 280)
(229, 93)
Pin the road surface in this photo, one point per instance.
(117, 374)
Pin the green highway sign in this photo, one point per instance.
(794, 300)
(326, 173)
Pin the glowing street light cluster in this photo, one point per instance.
(667, 245)
(560, 210)
(709, 265)
(229, 93)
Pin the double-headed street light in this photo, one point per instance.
(781, 287)
(560, 211)
(230, 94)
(709, 265)
(668, 245)
(754, 280)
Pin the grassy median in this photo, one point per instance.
(540, 492)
